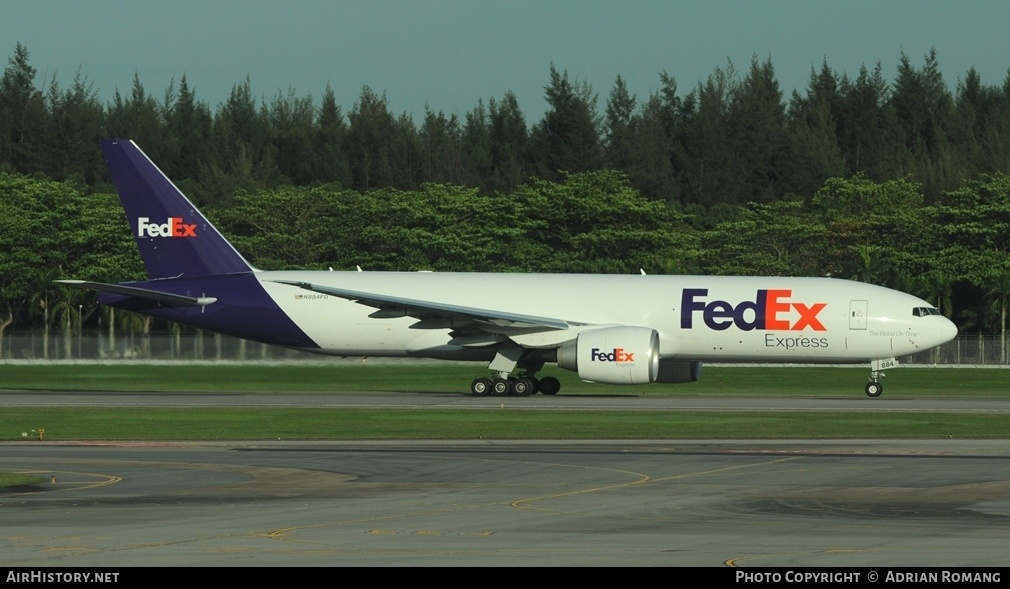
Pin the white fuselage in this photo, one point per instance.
(705, 318)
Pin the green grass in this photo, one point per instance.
(10, 480)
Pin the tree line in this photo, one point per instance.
(731, 140)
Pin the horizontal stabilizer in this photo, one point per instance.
(428, 309)
(141, 293)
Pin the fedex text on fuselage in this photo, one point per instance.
(771, 309)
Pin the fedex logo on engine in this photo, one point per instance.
(617, 355)
(770, 310)
(174, 227)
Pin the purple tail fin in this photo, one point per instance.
(173, 237)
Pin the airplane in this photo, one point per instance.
(611, 329)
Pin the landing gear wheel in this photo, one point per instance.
(522, 387)
(874, 389)
(480, 387)
(499, 386)
(550, 385)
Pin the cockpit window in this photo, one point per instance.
(924, 311)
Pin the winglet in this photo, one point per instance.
(174, 238)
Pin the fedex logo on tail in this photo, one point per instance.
(770, 310)
(174, 227)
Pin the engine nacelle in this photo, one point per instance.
(613, 355)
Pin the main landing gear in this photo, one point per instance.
(501, 382)
(523, 385)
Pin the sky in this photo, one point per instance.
(445, 55)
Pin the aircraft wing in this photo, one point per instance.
(425, 311)
(141, 293)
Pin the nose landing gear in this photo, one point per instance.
(875, 388)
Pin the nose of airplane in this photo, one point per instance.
(948, 330)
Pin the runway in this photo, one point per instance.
(576, 402)
(857, 503)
